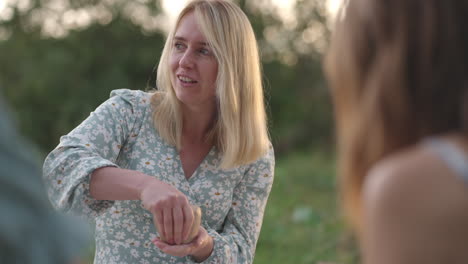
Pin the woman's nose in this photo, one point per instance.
(186, 61)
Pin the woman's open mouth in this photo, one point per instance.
(185, 79)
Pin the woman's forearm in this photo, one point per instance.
(111, 183)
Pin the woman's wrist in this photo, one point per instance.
(144, 182)
(205, 250)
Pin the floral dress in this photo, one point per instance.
(121, 133)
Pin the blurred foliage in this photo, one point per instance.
(56, 70)
(54, 83)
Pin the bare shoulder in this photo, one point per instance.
(413, 203)
(414, 175)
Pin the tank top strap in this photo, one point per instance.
(451, 154)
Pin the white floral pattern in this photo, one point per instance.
(120, 133)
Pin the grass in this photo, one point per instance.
(302, 223)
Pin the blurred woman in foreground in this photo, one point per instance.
(399, 76)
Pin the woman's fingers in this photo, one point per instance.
(159, 221)
(178, 224)
(185, 249)
(188, 222)
(171, 211)
(174, 250)
(168, 225)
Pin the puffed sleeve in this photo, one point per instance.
(95, 143)
(237, 242)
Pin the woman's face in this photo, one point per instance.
(194, 66)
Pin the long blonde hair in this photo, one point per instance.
(240, 130)
(399, 72)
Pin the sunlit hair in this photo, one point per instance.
(240, 130)
(399, 73)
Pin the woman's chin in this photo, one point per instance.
(186, 98)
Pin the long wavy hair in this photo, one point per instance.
(240, 129)
(398, 72)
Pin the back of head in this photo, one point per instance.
(399, 72)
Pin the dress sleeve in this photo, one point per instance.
(238, 239)
(95, 143)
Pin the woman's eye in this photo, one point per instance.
(178, 46)
(204, 51)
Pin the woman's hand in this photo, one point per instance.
(171, 210)
(200, 248)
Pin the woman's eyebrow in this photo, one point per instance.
(185, 40)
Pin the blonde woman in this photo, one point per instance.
(399, 73)
(139, 162)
